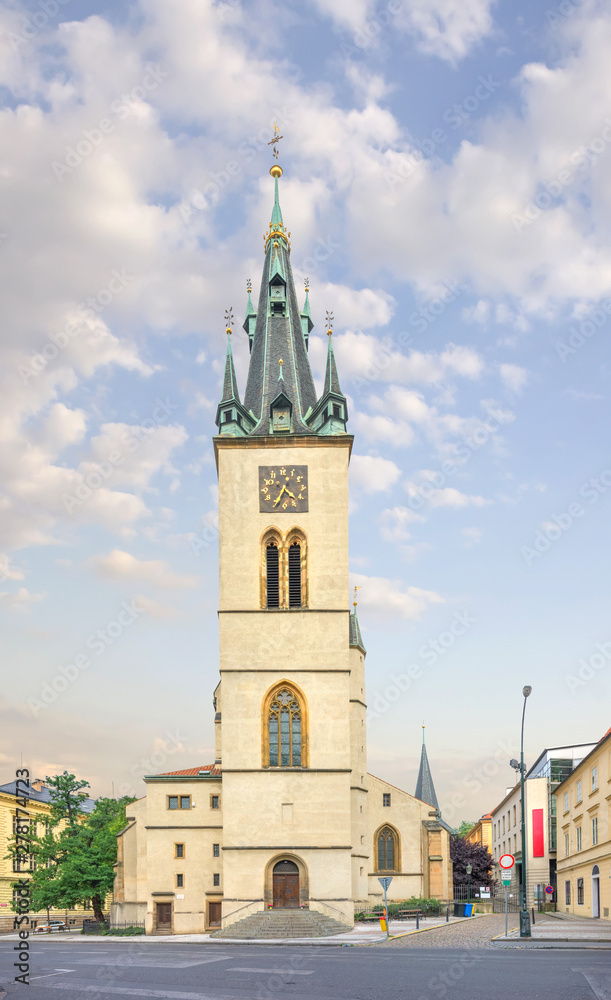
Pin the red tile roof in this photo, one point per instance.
(192, 772)
(605, 736)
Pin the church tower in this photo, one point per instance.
(291, 736)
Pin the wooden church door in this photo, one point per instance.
(286, 885)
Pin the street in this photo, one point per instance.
(107, 968)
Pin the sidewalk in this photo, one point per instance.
(363, 934)
(560, 931)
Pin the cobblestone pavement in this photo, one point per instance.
(474, 933)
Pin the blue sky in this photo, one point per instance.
(447, 188)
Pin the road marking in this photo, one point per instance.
(58, 972)
(600, 985)
(274, 972)
(161, 994)
(144, 962)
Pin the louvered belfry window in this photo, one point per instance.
(273, 577)
(295, 575)
(285, 730)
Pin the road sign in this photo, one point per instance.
(506, 877)
(507, 861)
(549, 889)
(385, 882)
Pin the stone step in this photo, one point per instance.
(283, 924)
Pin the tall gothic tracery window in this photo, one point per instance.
(387, 849)
(284, 724)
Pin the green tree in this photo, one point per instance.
(72, 859)
(87, 871)
(464, 827)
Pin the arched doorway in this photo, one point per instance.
(285, 881)
(596, 891)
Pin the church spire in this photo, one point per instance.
(355, 638)
(278, 329)
(425, 789)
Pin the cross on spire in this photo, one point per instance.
(273, 142)
(229, 320)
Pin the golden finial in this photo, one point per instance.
(355, 602)
(329, 322)
(248, 285)
(229, 321)
(306, 282)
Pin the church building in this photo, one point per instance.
(287, 817)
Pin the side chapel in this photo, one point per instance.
(287, 817)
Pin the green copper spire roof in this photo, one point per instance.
(276, 220)
(277, 329)
(230, 384)
(331, 376)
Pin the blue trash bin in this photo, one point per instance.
(469, 907)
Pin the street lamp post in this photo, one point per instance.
(524, 914)
(468, 870)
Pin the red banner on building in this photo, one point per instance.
(538, 844)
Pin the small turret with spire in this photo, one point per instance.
(425, 789)
(356, 638)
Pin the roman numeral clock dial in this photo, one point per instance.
(283, 488)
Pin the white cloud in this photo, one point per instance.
(447, 496)
(514, 377)
(394, 523)
(20, 600)
(373, 474)
(122, 566)
(383, 598)
(449, 29)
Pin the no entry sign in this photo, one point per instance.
(507, 861)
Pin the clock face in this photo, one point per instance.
(283, 488)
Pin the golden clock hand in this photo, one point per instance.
(291, 494)
(277, 500)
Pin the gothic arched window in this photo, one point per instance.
(387, 849)
(284, 728)
(284, 578)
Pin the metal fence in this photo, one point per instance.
(127, 927)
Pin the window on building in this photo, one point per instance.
(385, 798)
(216, 879)
(515, 842)
(180, 881)
(578, 838)
(514, 815)
(179, 801)
(578, 792)
(566, 802)
(273, 576)
(215, 802)
(566, 845)
(595, 778)
(567, 893)
(216, 850)
(594, 831)
(179, 850)
(580, 892)
(503, 824)
(388, 844)
(295, 575)
(285, 730)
